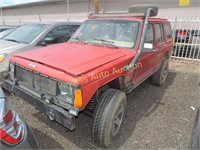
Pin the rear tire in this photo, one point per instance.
(160, 76)
(108, 117)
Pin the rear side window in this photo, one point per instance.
(159, 33)
(168, 31)
(150, 35)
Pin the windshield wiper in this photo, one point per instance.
(106, 42)
(78, 40)
(12, 40)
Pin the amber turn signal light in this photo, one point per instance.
(78, 101)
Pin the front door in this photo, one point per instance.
(147, 60)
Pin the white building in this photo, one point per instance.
(79, 9)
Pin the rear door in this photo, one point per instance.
(168, 37)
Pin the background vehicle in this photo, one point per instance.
(186, 43)
(183, 41)
(106, 58)
(195, 139)
(33, 36)
(183, 36)
(14, 133)
(3, 28)
(6, 32)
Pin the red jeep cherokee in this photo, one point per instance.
(108, 56)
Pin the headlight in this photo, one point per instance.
(65, 90)
(70, 94)
(2, 57)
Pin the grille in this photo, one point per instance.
(36, 80)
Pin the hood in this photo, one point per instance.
(8, 46)
(74, 58)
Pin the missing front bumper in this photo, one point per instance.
(54, 112)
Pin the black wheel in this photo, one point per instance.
(159, 77)
(108, 117)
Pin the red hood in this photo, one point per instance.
(74, 58)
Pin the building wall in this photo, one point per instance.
(79, 9)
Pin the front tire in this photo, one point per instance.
(108, 117)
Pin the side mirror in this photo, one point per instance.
(48, 40)
(148, 46)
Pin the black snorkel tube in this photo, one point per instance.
(141, 46)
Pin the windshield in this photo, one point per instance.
(118, 33)
(5, 32)
(26, 34)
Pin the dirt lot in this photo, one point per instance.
(157, 117)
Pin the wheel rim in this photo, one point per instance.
(118, 120)
(165, 72)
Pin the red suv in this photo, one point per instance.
(108, 57)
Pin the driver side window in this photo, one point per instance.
(51, 34)
(59, 34)
(150, 34)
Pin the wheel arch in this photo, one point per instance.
(167, 55)
(116, 83)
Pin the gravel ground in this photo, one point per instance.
(157, 117)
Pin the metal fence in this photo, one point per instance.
(186, 34)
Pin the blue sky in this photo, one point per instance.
(15, 2)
